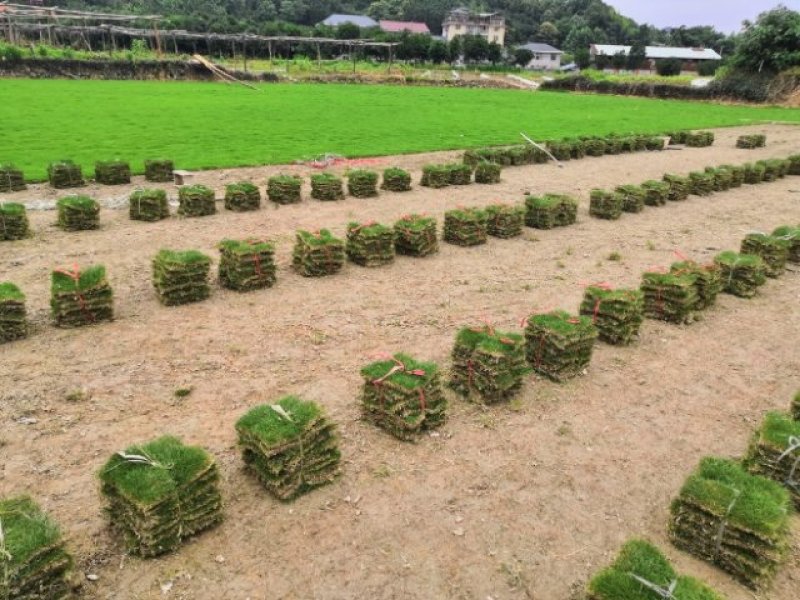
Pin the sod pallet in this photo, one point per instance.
(699, 139)
(796, 407)
(679, 187)
(559, 345)
(750, 142)
(34, 562)
(396, 180)
(617, 314)
(677, 137)
(11, 178)
(595, 147)
(774, 251)
(159, 494)
(774, 169)
(459, 174)
(732, 519)
(112, 172)
(317, 254)
(284, 189)
(723, 178)
(632, 197)
(327, 187)
(435, 176)
(488, 366)
(577, 148)
(794, 165)
(785, 232)
(13, 222)
(196, 201)
(148, 205)
(158, 170)
(13, 316)
(642, 572)
(741, 274)
(774, 452)
(707, 280)
(737, 175)
(605, 205)
(81, 297)
(246, 265)
(669, 296)
(181, 277)
(550, 210)
(290, 446)
(754, 173)
(362, 183)
(415, 235)
(487, 173)
(64, 174)
(701, 183)
(561, 151)
(465, 226)
(78, 213)
(242, 197)
(504, 220)
(370, 244)
(656, 193)
(403, 396)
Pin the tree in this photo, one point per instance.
(494, 53)
(637, 56)
(548, 33)
(522, 56)
(582, 58)
(348, 31)
(475, 48)
(454, 49)
(771, 44)
(386, 9)
(619, 60)
(437, 51)
(668, 67)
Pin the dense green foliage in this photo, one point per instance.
(97, 118)
(771, 44)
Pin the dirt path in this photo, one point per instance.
(514, 502)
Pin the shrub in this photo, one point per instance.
(668, 67)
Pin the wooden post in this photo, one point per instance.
(269, 48)
(244, 54)
(158, 39)
(319, 59)
(352, 52)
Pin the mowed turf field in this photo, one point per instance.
(208, 125)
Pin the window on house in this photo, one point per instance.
(553, 56)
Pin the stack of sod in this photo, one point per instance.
(64, 174)
(459, 174)
(741, 274)
(774, 251)
(403, 396)
(246, 265)
(679, 187)
(774, 452)
(735, 520)
(362, 183)
(754, 173)
(669, 296)
(415, 235)
(80, 298)
(678, 137)
(284, 189)
(13, 221)
(11, 179)
(774, 169)
(559, 345)
(34, 563)
(465, 226)
(656, 193)
(487, 173)
(196, 201)
(243, 196)
(642, 572)
(370, 244)
(701, 183)
(654, 143)
(181, 277)
(560, 150)
(290, 446)
(488, 365)
(550, 210)
(789, 234)
(707, 281)
(796, 407)
(13, 323)
(396, 180)
(326, 187)
(504, 220)
(158, 170)
(700, 139)
(748, 142)
(737, 175)
(723, 178)
(148, 205)
(112, 172)
(78, 213)
(605, 205)
(613, 145)
(617, 314)
(632, 197)
(595, 147)
(435, 176)
(160, 493)
(794, 165)
(577, 148)
(318, 254)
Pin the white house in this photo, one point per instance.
(545, 57)
(690, 57)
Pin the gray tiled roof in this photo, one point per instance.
(537, 47)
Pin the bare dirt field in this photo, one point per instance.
(519, 501)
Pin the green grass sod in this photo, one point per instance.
(97, 119)
(14, 223)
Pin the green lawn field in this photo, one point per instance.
(205, 125)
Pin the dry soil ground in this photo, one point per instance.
(519, 501)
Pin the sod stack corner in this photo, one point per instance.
(81, 297)
(617, 314)
(415, 235)
(707, 280)
(559, 345)
(112, 172)
(773, 250)
(13, 315)
(14, 223)
(396, 180)
(791, 235)
(158, 170)
(326, 187)
(774, 452)
(465, 226)
(504, 220)
(550, 210)
(65, 174)
(370, 244)
(670, 296)
(284, 189)
(196, 201)
(740, 274)
(242, 197)
(181, 276)
(317, 254)
(246, 265)
(78, 213)
(148, 205)
(11, 178)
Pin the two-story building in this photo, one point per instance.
(545, 57)
(463, 21)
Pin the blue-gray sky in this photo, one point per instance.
(725, 15)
